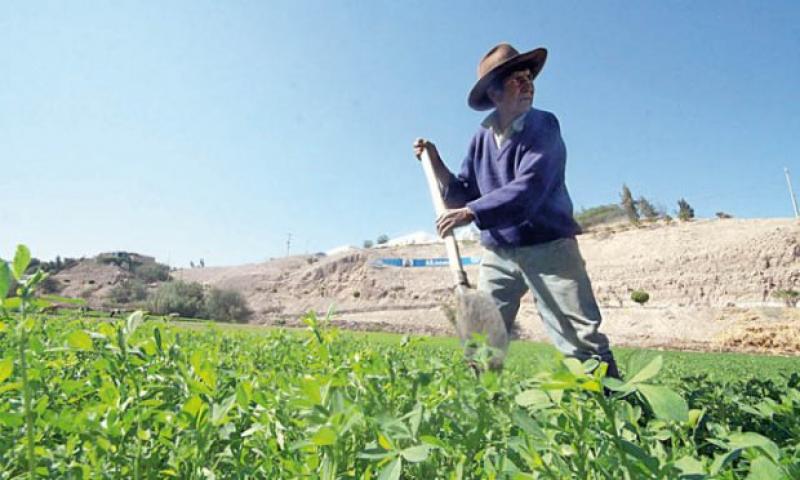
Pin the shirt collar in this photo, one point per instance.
(517, 125)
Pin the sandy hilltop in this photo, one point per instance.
(711, 285)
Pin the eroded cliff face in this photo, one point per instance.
(713, 263)
(702, 264)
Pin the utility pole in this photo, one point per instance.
(791, 192)
(288, 243)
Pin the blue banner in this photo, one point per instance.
(426, 262)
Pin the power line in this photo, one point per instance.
(791, 192)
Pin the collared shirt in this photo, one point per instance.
(515, 187)
(491, 122)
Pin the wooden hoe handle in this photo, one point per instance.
(454, 257)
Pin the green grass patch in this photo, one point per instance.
(526, 356)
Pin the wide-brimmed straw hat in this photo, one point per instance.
(502, 59)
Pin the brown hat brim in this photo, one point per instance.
(533, 60)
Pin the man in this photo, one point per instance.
(511, 185)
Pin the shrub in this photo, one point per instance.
(640, 296)
(723, 215)
(685, 211)
(179, 297)
(591, 217)
(790, 297)
(227, 306)
(128, 291)
(50, 285)
(367, 243)
(646, 208)
(152, 272)
(382, 239)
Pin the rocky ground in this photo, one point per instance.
(711, 286)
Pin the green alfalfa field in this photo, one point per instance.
(145, 397)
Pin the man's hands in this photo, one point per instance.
(453, 218)
(439, 169)
(421, 144)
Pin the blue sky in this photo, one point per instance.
(214, 129)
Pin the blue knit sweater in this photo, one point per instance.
(517, 192)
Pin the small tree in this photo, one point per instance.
(382, 239)
(128, 291)
(179, 297)
(790, 297)
(627, 203)
(646, 208)
(685, 211)
(152, 272)
(367, 243)
(723, 215)
(640, 296)
(227, 306)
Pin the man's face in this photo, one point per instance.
(517, 94)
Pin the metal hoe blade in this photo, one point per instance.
(476, 313)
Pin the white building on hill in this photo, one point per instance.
(341, 249)
(416, 238)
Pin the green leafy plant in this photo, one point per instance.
(640, 296)
(24, 303)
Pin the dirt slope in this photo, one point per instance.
(710, 283)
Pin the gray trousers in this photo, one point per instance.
(556, 274)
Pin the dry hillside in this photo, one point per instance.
(711, 285)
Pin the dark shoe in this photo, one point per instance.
(613, 371)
